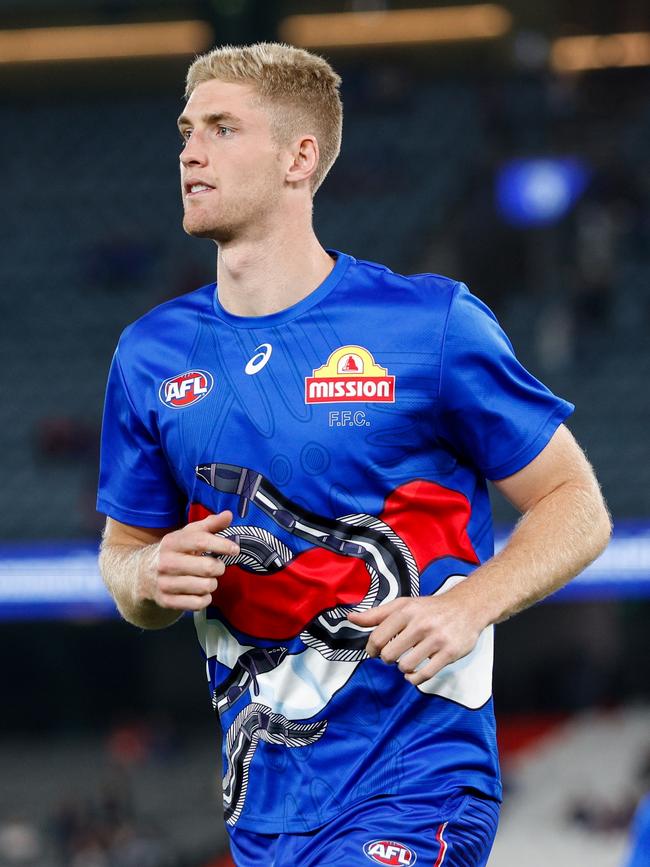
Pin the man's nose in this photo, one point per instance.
(194, 152)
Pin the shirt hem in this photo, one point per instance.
(307, 824)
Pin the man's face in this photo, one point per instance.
(232, 175)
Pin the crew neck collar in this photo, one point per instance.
(341, 265)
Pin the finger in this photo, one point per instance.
(398, 646)
(220, 546)
(200, 541)
(420, 653)
(183, 585)
(375, 616)
(213, 523)
(174, 563)
(386, 631)
(186, 602)
(428, 668)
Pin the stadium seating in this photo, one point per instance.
(587, 765)
(94, 241)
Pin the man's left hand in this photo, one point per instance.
(424, 633)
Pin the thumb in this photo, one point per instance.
(215, 523)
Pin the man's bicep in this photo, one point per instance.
(116, 533)
(560, 462)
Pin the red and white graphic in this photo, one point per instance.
(350, 363)
(187, 388)
(350, 375)
(369, 560)
(389, 852)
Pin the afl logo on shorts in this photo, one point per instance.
(187, 388)
(389, 852)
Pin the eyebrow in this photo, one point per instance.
(210, 119)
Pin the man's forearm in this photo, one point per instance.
(552, 542)
(565, 526)
(122, 567)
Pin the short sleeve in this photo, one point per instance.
(491, 411)
(135, 483)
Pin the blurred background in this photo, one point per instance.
(507, 145)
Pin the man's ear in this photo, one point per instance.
(305, 159)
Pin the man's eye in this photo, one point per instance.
(185, 135)
(224, 131)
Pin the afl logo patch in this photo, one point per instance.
(389, 852)
(187, 388)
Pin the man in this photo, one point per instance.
(349, 417)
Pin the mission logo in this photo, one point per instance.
(187, 388)
(390, 852)
(350, 376)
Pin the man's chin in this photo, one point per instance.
(199, 229)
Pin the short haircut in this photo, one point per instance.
(300, 89)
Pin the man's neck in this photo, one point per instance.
(256, 278)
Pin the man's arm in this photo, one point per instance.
(155, 575)
(565, 525)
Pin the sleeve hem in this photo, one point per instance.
(530, 451)
(454, 292)
(137, 519)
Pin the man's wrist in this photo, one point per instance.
(144, 584)
(479, 599)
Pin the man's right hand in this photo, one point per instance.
(154, 574)
(179, 575)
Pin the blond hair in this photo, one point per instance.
(300, 88)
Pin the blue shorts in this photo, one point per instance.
(383, 830)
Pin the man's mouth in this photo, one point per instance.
(197, 188)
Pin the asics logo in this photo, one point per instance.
(257, 362)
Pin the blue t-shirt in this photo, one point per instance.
(351, 435)
(639, 844)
